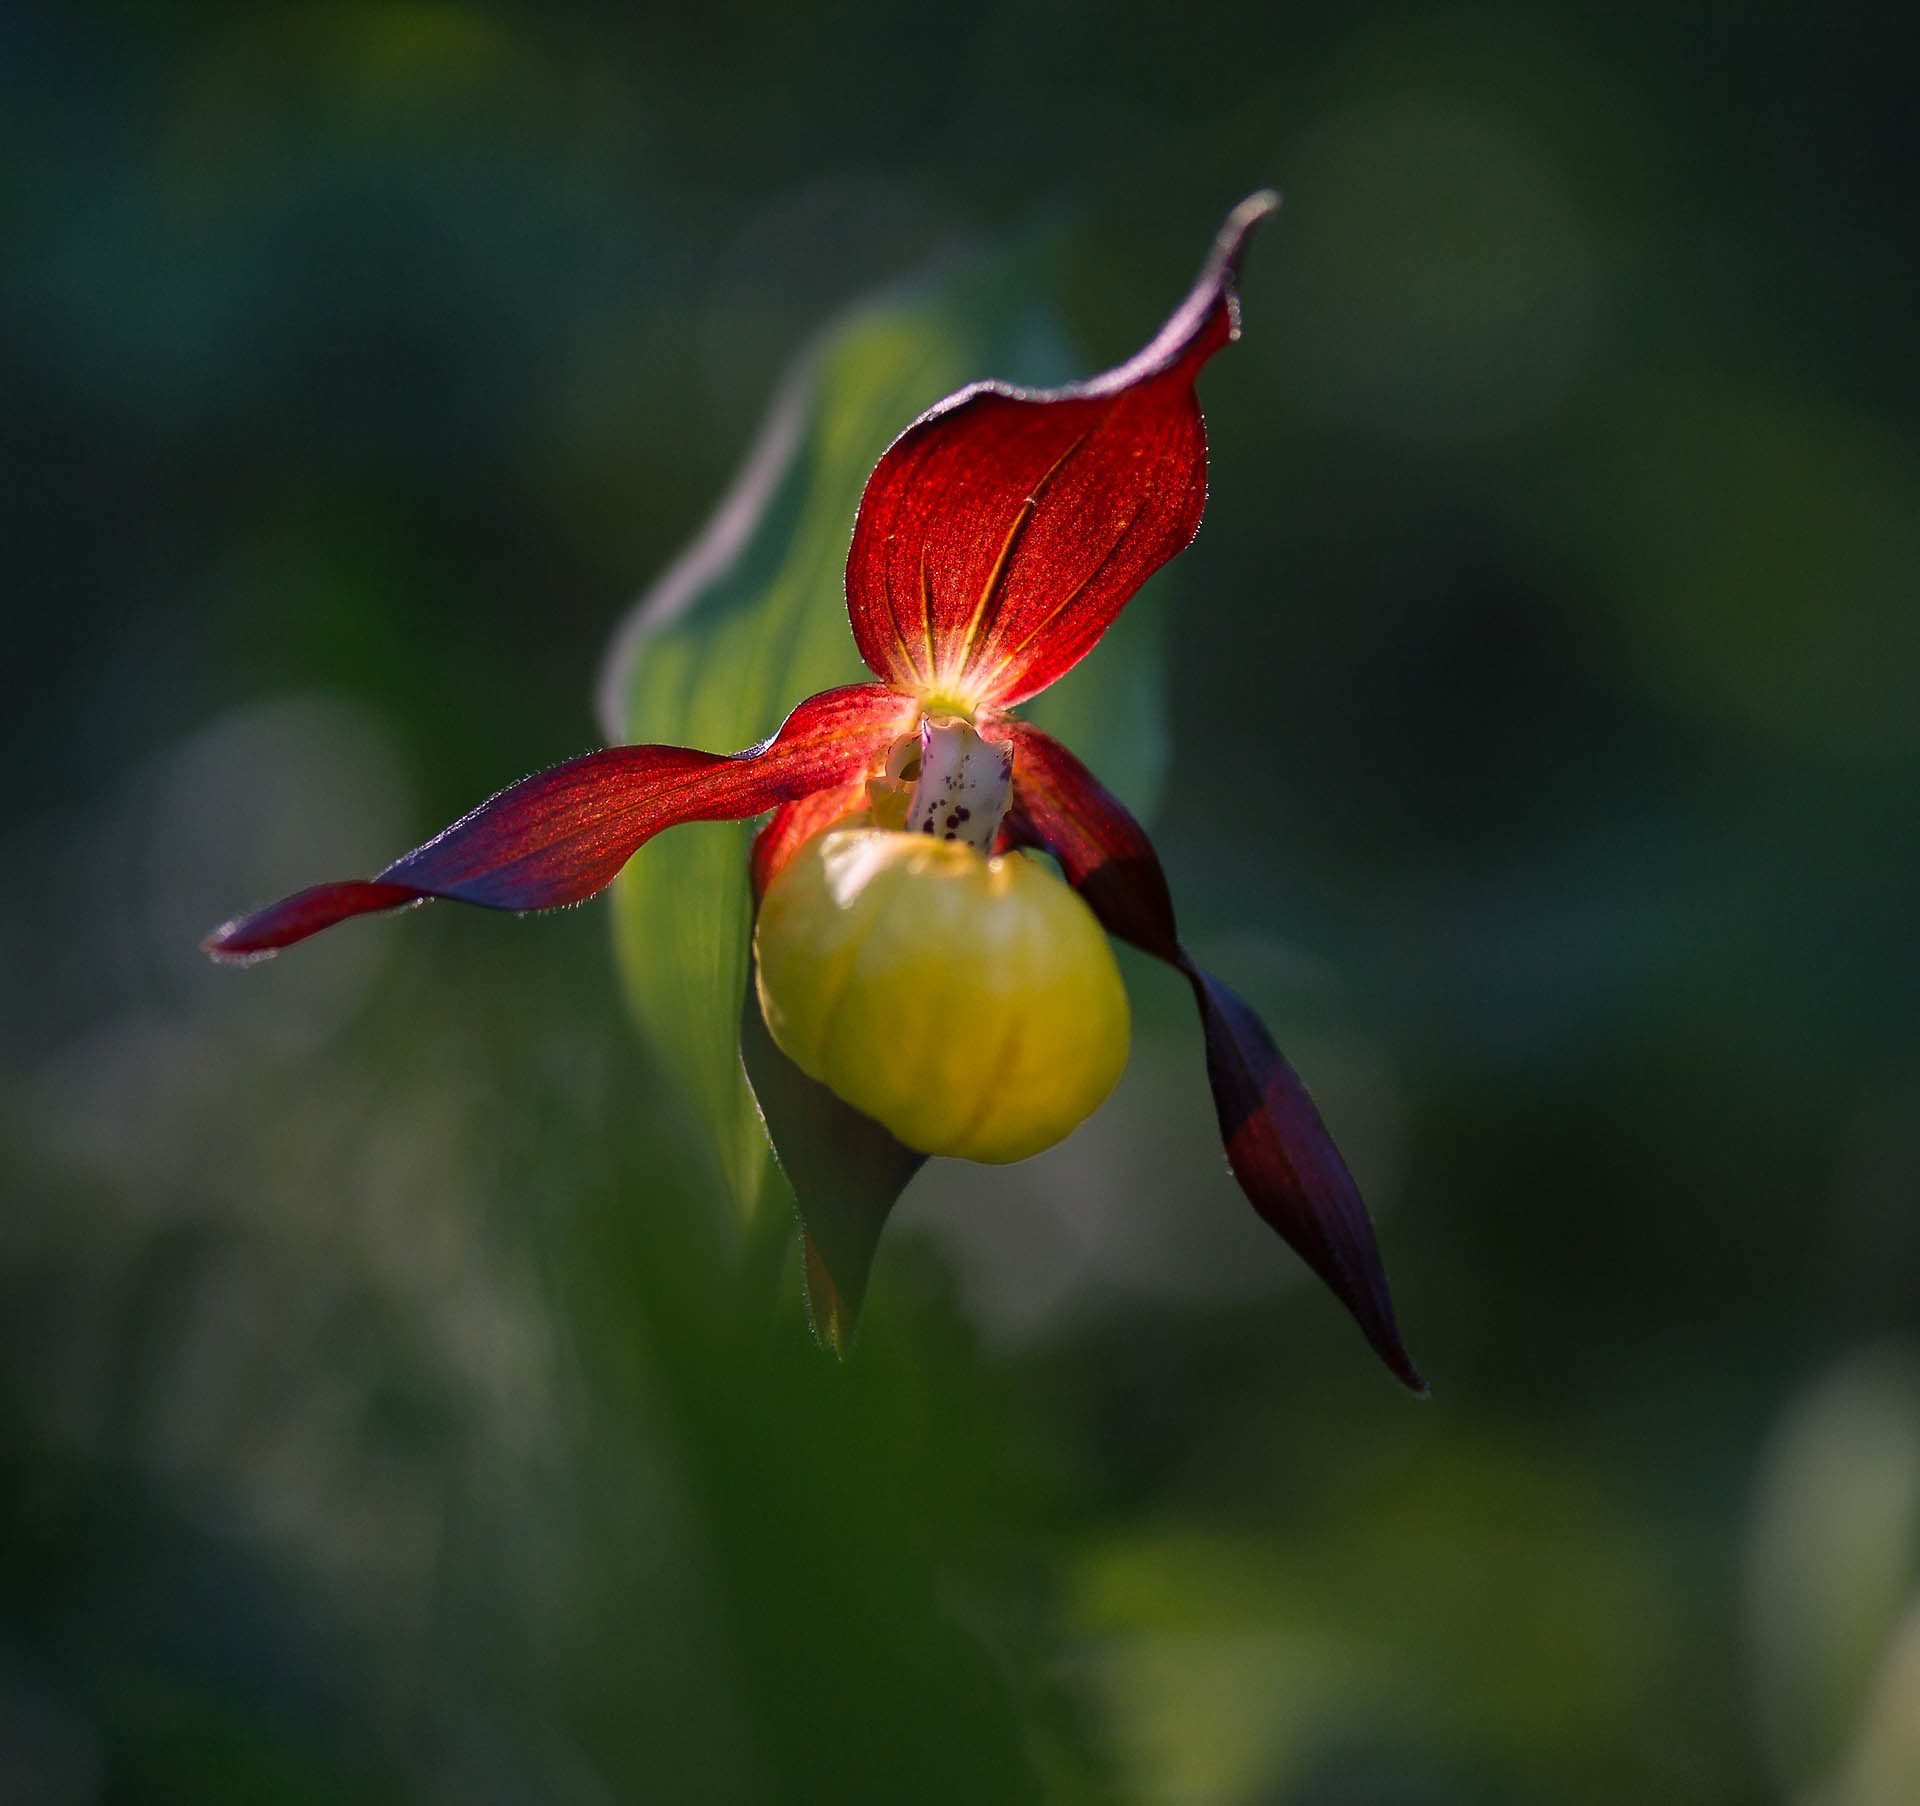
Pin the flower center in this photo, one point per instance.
(944, 780)
(964, 786)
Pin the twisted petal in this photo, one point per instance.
(563, 834)
(1276, 1144)
(1005, 528)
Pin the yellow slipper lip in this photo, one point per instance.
(971, 1005)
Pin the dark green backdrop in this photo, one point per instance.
(380, 1415)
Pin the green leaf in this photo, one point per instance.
(847, 1172)
(752, 619)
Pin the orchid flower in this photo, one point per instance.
(912, 960)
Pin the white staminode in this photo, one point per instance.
(964, 786)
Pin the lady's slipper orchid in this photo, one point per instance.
(911, 957)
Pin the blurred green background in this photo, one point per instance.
(381, 1413)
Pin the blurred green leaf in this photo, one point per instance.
(752, 619)
(855, 1614)
(1833, 1558)
(1479, 1605)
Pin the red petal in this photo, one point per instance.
(1005, 528)
(563, 834)
(1289, 1168)
(1060, 805)
(794, 824)
(1276, 1144)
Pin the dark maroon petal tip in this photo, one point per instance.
(1289, 1168)
(1212, 305)
(249, 939)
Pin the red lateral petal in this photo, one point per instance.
(793, 824)
(563, 834)
(1276, 1144)
(1289, 1168)
(1005, 528)
(1060, 805)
